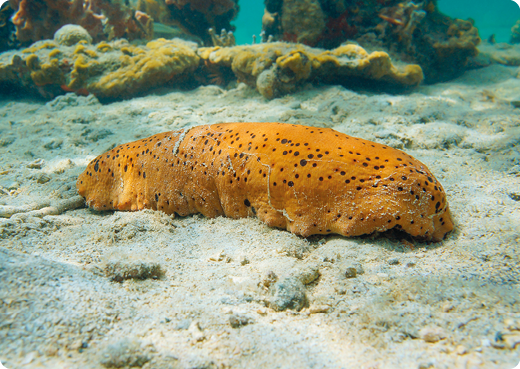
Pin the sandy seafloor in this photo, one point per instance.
(453, 304)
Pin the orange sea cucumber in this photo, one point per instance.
(304, 179)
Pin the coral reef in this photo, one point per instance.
(197, 16)
(119, 69)
(304, 29)
(40, 19)
(515, 33)
(71, 34)
(416, 32)
(6, 27)
(224, 39)
(111, 70)
(279, 68)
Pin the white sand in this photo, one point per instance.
(453, 304)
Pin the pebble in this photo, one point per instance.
(196, 333)
(123, 353)
(318, 309)
(432, 334)
(507, 340)
(512, 324)
(221, 256)
(350, 272)
(36, 164)
(411, 263)
(269, 278)
(447, 306)
(42, 178)
(307, 274)
(514, 196)
(183, 324)
(239, 320)
(461, 350)
(288, 293)
(393, 261)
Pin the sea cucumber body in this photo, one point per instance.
(304, 179)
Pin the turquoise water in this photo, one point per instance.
(249, 21)
(491, 17)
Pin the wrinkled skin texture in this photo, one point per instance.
(304, 179)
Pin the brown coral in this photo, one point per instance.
(416, 32)
(197, 16)
(39, 19)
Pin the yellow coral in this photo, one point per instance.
(49, 73)
(54, 53)
(104, 47)
(44, 45)
(82, 69)
(83, 49)
(276, 68)
(298, 62)
(136, 69)
(32, 62)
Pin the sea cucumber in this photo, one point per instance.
(307, 180)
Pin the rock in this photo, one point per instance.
(121, 270)
(220, 256)
(307, 274)
(461, 350)
(350, 272)
(432, 334)
(393, 261)
(123, 353)
(36, 164)
(269, 279)
(318, 309)
(195, 331)
(512, 324)
(42, 178)
(289, 293)
(239, 320)
(183, 324)
(514, 196)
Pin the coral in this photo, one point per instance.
(461, 44)
(108, 70)
(302, 21)
(224, 39)
(416, 32)
(515, 33)
(71, 34)
(40, 19)
(131, 68)
(6, 27)
(118, 69)
(279, 68)
(197, 16)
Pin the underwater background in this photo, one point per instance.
(81, 288)
(491, 17)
